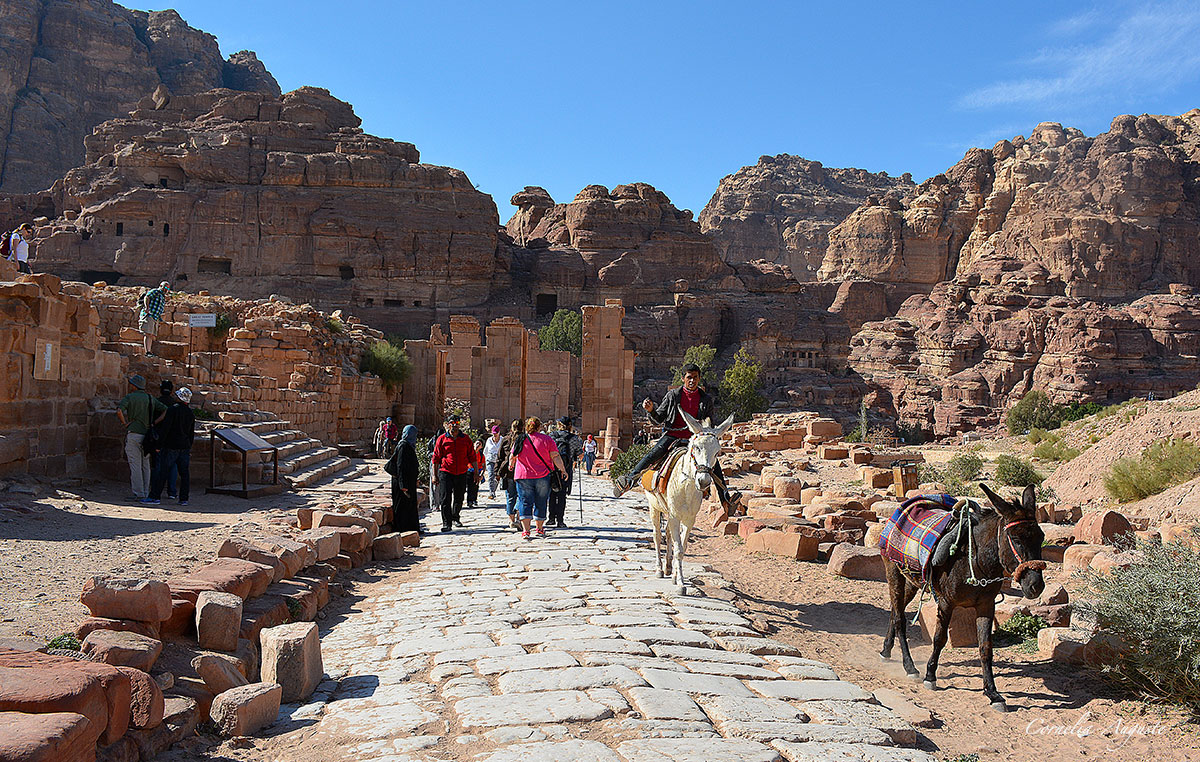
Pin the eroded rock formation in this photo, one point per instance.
(68, 65)
(1061, 262)
(246, 194)
(782, 208)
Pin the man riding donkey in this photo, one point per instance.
(696, 402)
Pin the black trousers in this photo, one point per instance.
(472, 489)
(453, 490)
(658, 453)
(558, 500)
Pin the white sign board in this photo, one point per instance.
(203, 320)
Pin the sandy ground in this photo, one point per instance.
(842, 622)
(53, 539)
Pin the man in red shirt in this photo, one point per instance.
(453, 455)
(691, 398)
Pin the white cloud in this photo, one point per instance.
(1147, 50)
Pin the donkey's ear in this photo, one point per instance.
(720, 430)
(691, 422)
(1029, 499)
(998, 502)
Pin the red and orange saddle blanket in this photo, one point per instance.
(913, 531)
(655, 479)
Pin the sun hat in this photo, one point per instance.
(137, 381)
(184, 394)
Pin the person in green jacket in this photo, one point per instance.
(139, 411)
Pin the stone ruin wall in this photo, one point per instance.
(278, 358)
(508, 376)
(48, 400)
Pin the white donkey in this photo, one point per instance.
(691, 477)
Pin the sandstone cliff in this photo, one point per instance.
(1058, 262)
(781, 209)
(68, 65)
(246, 194)
(1106, 217)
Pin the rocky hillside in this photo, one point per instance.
(68, 65)
(782, 208)
(247, 194)
(1061, 262)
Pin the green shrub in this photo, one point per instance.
(564, 333)
(1037, 436)
(1076, 411)
(1054, 449)
(1034, 410)
(1163, 464)
(1012, 471)
(910, 433)
(224, 323)
(1153, 607)
(1023, 625)
(626, 460)
(204, 414)
(295, 609)
(334, 325)
(958, 475)
(388, 361)
(66, 641)
(703, 356)
(740, 386)
(424, 457)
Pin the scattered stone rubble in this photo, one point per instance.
(227, 643)
(791, 514)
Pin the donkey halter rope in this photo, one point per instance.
(1022, 565)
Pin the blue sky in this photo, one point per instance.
(678, 94)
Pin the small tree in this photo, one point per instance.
(1034, 410)
(388, 361)
(740, 387)
(564, 333)
(702, 356)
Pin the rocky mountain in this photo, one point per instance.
(1059, 262)
(248, 194)
(782, 208)
(68, 65)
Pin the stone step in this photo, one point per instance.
(308, 457)
(280, 436)
(293, 447)
(315, 473)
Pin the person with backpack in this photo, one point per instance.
(570, 447)
(15, 247)
(504, 473)
(138, 412)
(177, 432)
(453, 456)
(166, 395)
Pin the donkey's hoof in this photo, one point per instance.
(884, 656)
(1000, 706)
(681, 590)
(915, 676)
(931, 685)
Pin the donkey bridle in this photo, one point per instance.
(1022, 564)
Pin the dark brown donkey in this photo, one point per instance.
(1006, 543)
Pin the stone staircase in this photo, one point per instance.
(303, 460)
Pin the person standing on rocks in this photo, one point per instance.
(531, 462)
(590, 448)
(403, 467)
(570, 447)
(697, 402)
(491, 457)
(152, 304)
(453, 454)
(18, 247)
(177, 432)
(138, 411)
(385, 438)
(505, 474)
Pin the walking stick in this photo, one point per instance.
(581, 496)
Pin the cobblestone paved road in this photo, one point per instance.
(568, 648)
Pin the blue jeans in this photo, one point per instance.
(168, 461)
(511, 497)
(535, 497)
(588, 459)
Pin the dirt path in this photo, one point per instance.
(1057, 712)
